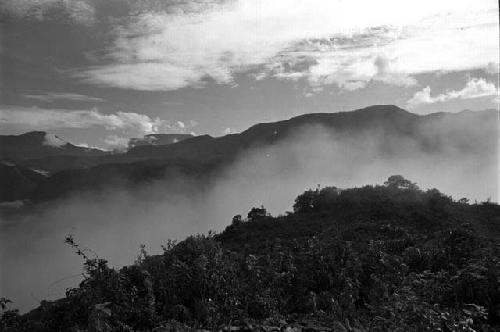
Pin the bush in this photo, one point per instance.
(390, 258)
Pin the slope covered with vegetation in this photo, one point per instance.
(390, 257)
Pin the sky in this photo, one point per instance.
(98, 72)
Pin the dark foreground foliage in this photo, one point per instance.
(376, 258)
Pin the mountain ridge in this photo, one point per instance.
(391, 122)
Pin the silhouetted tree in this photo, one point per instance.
(237, 220)
(257, 213)
(399, 182)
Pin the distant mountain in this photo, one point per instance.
(39, 144)
(157, 139)
(460, 128)
(466, 133)
(48, 152)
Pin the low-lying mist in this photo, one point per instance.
(37, 265)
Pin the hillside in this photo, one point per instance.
(468, 135)
(389, 257)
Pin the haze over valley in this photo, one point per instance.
(114, 202)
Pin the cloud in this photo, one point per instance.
(54, 96)
(128, 124)
(53, 140)
(475, 88)
(87, 146)
(58, 118)
(80, 11)
(387, 75)
(343, 45)
(147, 76)
(116, 142)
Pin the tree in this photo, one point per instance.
(257, 213)
(237, 220)
(399, 182)
(306, 202)
(317, 199)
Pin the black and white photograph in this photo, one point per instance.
(249, 165)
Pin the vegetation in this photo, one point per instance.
(376, 258)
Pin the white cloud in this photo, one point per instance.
(345, 41)
(58, 118)
(227, 131)
(87, 146)
(386, 74)
(54, 96)
(116, 142)
(142, 76)
(53, 140)
(475, 88)
(422, 97)
(117, 127)
(119, 124)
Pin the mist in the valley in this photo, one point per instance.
(36, 264)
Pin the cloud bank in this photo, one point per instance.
(120, 125)
(344, 43)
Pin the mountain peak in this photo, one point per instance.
(383, 109)
(33, 133)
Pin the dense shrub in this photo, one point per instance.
(389, 258)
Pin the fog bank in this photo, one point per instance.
(36, 264)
